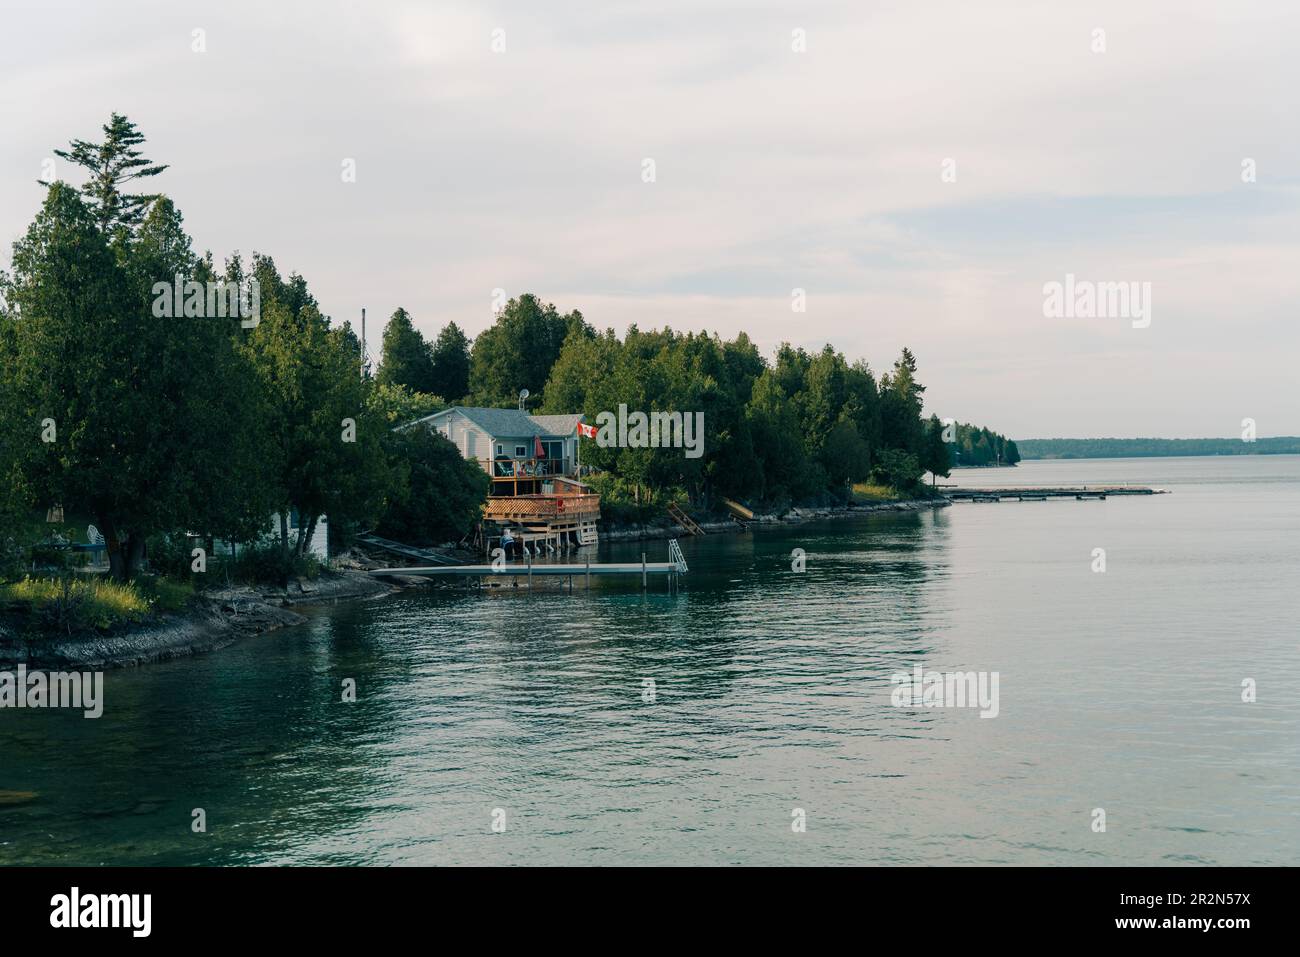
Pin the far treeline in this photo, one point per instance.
(1135, 448)
(163, 430)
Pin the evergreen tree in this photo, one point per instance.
(517, 352)
(111, 164)
(450, 356)
(405, 360)
(936, 457)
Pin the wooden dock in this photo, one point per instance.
(1031, 494)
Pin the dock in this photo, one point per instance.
(525, 571)
(1042, 494)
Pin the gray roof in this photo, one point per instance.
(557, 424)
(511, 423)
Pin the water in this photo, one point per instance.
(1119, 691)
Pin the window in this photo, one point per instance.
(521, 451)
(499, 450)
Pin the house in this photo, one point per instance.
(533, 461)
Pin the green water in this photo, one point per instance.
(1119, 691)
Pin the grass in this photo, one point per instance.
(91, 603)
(868, 492)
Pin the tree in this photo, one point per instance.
(440, 494)
(405, 361)
(138, 420)
(328, 438)
(845, 456)
(898, 469)
(111, 164)
(517, 352)
(901, 403)
(450, 355)
(936, 458)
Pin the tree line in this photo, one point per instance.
(973, 445)
(1126, 448)
(801, 428)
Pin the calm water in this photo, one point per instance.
(1119, 691)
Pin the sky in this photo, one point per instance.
(921, 170)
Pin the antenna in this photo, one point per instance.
(523, 400)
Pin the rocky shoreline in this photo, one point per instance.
(216, 619)
(220, 617)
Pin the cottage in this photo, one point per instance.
(533, 461)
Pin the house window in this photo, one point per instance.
(500, 452)
(521, 451)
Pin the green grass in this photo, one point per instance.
(868, 492)
(91, 603)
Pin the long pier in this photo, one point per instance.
(1041, 494)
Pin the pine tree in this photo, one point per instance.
(112, 164)
(405, 359)
(450, 354)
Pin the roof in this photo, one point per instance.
(510, 422)
(557, 424)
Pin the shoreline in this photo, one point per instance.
(221, 617)
(216, 620)
(795, 516)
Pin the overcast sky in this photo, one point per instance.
(774, 170)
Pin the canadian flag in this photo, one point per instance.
(586, 431)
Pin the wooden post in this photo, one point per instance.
(530, 571)
(643, 575)
(588, 573)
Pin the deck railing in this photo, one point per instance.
(529, 507)
(528, 468)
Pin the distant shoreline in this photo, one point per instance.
(1054, 449)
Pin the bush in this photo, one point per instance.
(265, 562)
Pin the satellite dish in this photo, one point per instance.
(523, 397)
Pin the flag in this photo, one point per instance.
(586, 431)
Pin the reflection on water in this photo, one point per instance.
(772, 693)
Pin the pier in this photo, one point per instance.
(1031, 494)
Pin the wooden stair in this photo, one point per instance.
(688, 524)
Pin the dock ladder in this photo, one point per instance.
(676, 557)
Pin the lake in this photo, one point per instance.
(1119, 690)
